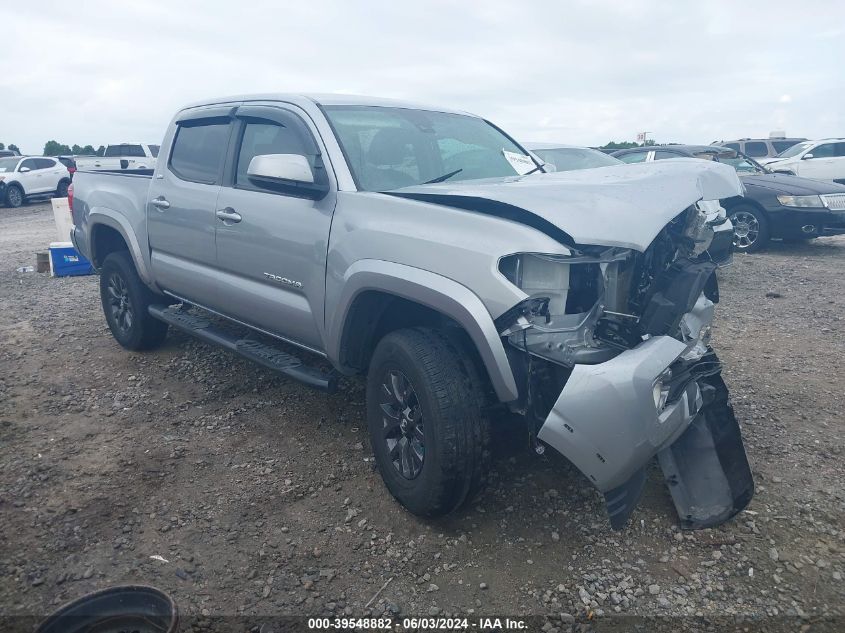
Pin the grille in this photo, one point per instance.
(834, 201)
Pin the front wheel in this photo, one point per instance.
(14, 196)
(125, 300)
(751, 228)
(429, 434)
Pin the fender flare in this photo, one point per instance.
(439, 293)
(114, 220)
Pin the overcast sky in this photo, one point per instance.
(103, 72)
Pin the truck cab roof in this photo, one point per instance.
(325, 99)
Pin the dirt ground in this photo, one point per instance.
(258, 496)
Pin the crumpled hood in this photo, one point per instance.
(621, 205)
(792, 185)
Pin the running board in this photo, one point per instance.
(267, 355)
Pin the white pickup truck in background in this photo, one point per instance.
(122, 156)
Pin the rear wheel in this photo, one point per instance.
(61, 190)
(125, 300)
(14, 196)
(751, 228)
(424, 412)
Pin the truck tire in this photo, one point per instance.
(125, 300)
(425, 413)
(14, 196)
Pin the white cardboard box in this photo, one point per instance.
(63, 218)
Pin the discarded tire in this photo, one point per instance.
(134, 608)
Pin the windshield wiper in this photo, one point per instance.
(443, 177)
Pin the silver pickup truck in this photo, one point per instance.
(427, 250)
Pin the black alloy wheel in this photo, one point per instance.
(404, 430)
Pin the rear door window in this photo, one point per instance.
(44, 163)
(154, 150)
(733, 146)
(756, 149)
(199, 149)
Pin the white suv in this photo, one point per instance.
(822, 160)
(25, 176)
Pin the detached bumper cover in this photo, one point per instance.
(606, 422)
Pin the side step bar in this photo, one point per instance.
(267, 355)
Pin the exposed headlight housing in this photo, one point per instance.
(537, 274)
(800, 201)
(660, 390)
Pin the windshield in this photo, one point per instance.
(388, 148)
(8, 164)
(742, 165)
(794, 150)
(570, 158)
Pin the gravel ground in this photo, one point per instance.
(241, 493)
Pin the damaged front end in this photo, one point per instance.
(611, 352)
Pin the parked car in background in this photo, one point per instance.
(570, 157)
(775, 205)
(121, 156)
(23, 177)
(69, 162)
(822, 160)
(425, 249)
(760, 148)
(8, 152)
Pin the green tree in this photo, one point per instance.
(88, 150)
(101, 150)
(14, 148)
(54, 148)
(2, 146)
(619, 145)
(76, 149)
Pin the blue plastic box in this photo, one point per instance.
(66, 262)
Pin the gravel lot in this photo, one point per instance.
(260, 494)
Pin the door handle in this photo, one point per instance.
(229, 215)
(161, 203)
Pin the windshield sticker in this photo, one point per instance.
(522, 164)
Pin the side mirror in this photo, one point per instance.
(806, 156)
(23, 170)
(288, 173)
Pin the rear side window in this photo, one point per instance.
(134, 151)
(756, 149)
(781, 146)
(199, 150)
(733, 146)
(154, 150)
(44, 163)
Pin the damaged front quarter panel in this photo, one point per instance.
(618, 367)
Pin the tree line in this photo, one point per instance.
(54, 148)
